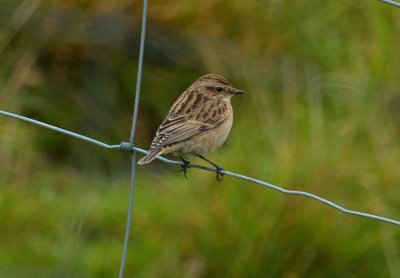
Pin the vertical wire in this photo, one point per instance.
(139, 74)
(132, 137)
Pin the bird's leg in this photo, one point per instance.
(220, 176)
(184, 166)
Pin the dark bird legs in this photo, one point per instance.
(186, 165)
(220, 176)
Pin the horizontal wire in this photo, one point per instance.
(394, 3)
(228, 173)
(70, 133)
(280, 189)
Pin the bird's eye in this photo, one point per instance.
(219, 89)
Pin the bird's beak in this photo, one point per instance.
(237, 91)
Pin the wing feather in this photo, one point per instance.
(195, 119)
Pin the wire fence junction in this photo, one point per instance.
(130, 147)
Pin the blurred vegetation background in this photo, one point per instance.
(321, 114)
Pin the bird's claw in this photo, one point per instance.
(185, 165)
(220, 175)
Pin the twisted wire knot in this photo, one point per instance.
(126, 147)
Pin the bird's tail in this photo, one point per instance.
(150, 156)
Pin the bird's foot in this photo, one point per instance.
(220, 175)
(184, 166)
(218, 168)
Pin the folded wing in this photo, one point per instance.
(185, 123)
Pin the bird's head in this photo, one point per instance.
(216, 86)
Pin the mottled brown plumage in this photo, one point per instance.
(198, 123)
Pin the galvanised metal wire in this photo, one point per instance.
(132, 138)
(129, 147)
(397, 4)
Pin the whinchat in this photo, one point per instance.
(198, 123)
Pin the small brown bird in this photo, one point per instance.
(198, 123)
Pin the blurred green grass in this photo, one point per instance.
(321, 115)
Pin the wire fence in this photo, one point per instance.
(130, 147)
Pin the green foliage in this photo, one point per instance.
(321, 114)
